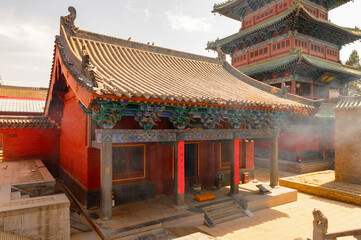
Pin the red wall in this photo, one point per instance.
(40, 144)
(73, 150)
(294, 141)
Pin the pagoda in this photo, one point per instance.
(292, 45)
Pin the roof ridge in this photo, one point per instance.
(141, 46)
(211, 60)
(24, 87)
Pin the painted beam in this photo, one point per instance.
(172, 135)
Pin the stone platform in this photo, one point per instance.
(295, 167)
(26, 207)
(156, 216)
(323, 184)
(25, 173)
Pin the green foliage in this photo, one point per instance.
(354, 60)
(354, 88)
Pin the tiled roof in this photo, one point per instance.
(9, 104)
(284, 60)
(298, 10)
(23, 92)
(7, 122)
(130, 69)
(349, 103)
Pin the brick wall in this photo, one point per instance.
(348, 145)
(40, 144)
(73, 142)
(37, 218)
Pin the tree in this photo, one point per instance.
(354, 88)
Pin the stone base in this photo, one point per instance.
(124, 193)
(278, 196)
(339, 193)
(295, 167)
(37, 218)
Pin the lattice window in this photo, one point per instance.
(128, 162)
(225, 155)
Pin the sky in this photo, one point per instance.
(28, 29)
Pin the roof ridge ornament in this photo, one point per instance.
(221, 55)
(87, 67)
(69, 20)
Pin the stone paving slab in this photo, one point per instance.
(23, 173)
(289, 221)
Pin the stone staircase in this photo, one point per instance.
(223, 211)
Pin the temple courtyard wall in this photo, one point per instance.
(44, 217)
(32, 143)
(348, 145)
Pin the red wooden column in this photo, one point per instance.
(248, 154)
(311, 90)
(293, 87)
(179, 171)
(234, 165)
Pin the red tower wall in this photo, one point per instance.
(283, 46)
(274, 10)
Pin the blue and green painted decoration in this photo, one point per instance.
(106, 112)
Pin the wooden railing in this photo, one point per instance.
(320, 226)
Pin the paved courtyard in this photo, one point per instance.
(286, 222)
(289, 221)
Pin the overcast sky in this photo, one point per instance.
(27, 29)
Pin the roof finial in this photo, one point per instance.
(221, 55)
(69, 20)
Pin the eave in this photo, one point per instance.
(300, 12)
(243, 6)
(287, 59)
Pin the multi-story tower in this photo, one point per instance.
(292, 42)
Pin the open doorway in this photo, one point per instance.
(191, 164)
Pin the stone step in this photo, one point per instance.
(220, 210)
(229, 218)
(225, 213)
(178, 232)
(15, 195)
(138, 229)
(244, 208)
(218, 206)
(158, 233)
